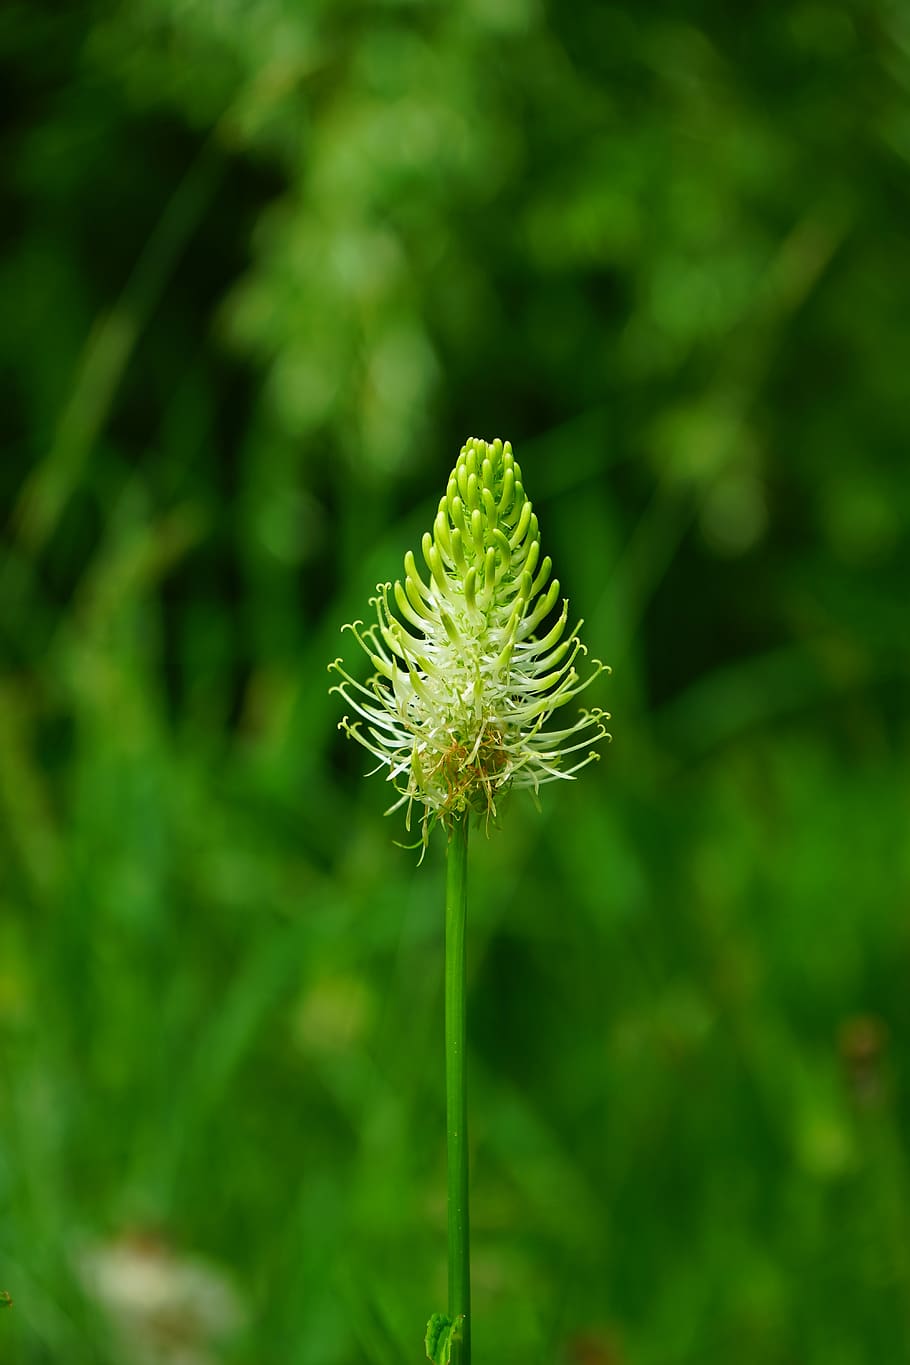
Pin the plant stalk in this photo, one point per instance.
(456, 1088)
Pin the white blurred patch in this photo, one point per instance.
(163, 1308)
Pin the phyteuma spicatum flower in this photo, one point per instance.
(464, 683)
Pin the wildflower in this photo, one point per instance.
(464, 683)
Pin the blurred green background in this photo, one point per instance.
(265, 266)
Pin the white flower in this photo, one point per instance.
(464, 685)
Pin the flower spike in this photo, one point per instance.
(455, 711)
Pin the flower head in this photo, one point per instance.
(465, 682)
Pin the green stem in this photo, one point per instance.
(456, 1089)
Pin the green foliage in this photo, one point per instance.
(265, 265)
(443, 1336)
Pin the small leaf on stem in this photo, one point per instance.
(443, 1339)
